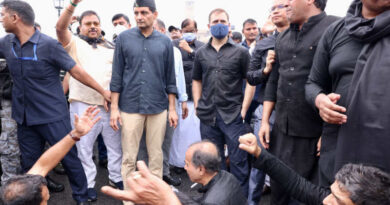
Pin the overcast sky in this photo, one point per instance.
(172, 12)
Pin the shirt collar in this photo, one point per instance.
(140, 33)
(229, 41)
(313, 20)
(211, 183)
(245, 44)
(33, 39)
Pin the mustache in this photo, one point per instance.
(93, 30)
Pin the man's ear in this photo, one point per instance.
(202, 170)
(155, 13)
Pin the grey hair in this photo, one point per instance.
(210, 161)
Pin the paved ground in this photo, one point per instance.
(66, 198)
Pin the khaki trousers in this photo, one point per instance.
(132, 129)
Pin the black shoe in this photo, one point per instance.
(59, 169)
(266, 190)
(92, 194)
(54, 186)
(103, 163)
(178, 170)
(83, 203)
(116, 185)
(171, 180)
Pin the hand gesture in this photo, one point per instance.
(264, 134)
(270, 60)
(184, 110)
(330, 112)
(248, 143)
(107, 99)
(173, 118)
(184, 45)
(115, 117)
(84, 124)
(144, 188)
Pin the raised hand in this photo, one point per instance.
(144, 188)
(248, 143)
(83, 124)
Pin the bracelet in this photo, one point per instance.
(73, 4)
(74, 137)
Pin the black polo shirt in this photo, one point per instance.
(295, 50)
(37, 94)
(221, 74)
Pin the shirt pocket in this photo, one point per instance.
(37, 69)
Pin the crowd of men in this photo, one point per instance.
(302, 99)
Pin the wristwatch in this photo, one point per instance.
(75, 138)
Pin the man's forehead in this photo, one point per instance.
(248, 25)
(278, 2)
(218, 16)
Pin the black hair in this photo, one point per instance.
(37, 25)
(187, 22)
(366, 185)
(237, 36)
(249, 21)
(210, 161)
(88, 13)
(118, 16)
(321, 4)
(22, 9)
(23, 190)
(160, 23)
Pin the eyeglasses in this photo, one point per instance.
(35, 58)
(280, 6)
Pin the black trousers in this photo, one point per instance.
(299, 153)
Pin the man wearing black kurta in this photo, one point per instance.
(297, 126)
(333, 72)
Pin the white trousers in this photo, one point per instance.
(186, 133)
(111, 138)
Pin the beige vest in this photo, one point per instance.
(97, 62)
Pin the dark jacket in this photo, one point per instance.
(295, 50)
(293, 184)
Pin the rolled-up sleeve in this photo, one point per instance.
(319, 80)
(170, 71)
(118, 66)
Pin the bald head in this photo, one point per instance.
(205, 154)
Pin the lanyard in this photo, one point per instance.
(35, 58)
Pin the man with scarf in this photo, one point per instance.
(297, 127)
(219, 68)
(91, 51)
(348, 84)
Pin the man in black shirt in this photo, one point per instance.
(355, 184)
(297, 126)
(259, 70)
(328, 89)
(219, 68)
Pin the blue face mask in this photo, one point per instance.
(189, 37)
(219, 31)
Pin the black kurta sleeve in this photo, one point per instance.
(297, 186)
(319, 80)
(272, 84)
